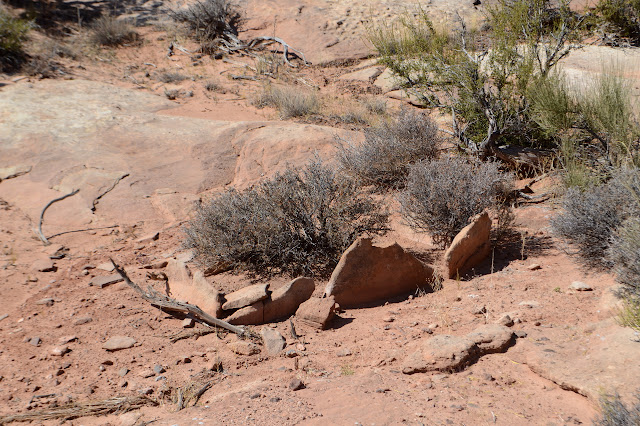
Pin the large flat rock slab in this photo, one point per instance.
(596, 358)
(129, 162)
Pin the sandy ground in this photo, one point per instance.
(570, 350)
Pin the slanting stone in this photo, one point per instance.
(43, 265)
(194, 289)
(492, 338)
(580, 286)
(104, 281)
(470, 247)
(242, 347)
(367, 274)
(441, 353)
(249, 315)
(245, 296)
(285, 301)
(317, 312)
(117, 343)
(274, 343)
(177, 273)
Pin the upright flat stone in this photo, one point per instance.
(285, 301)
(245, 296)
(274, 343)
(470, 247)
(367, 274)
(192, 288)
(317, 313)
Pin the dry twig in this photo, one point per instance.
(171, 305)
(55, 200)
(75, 410)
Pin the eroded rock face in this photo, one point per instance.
(368, 274)
(317, 313)
(452, 353)
(470, 247)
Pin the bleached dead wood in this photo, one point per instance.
(169, 304)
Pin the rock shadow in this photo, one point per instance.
(510, 247)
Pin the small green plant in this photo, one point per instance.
(13, 33)
(557, 290)
(347, 370)
(289, 101)
(297, 223)
(110, 31)
(482, 79)
(622, 17)
(441, 196)
(594, 123)
(629, 314)
(375, 105)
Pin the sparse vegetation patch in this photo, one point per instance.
(291, 102)
(298, 222)
(386, 154)
(13, 33)
(442, 195)
(110, 31)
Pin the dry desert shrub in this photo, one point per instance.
(388, 151)
(290, 102)
(171, 77)
(591, 217)
(616, 413)
(298, 222)
(13, 33)
(442, 195)
(625, 255)
(109, 31)
(209, 20)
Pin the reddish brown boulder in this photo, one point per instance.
(367, 274)
(317, 312)
(470, 247)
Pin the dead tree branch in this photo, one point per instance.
(171, 305)
(39, 230)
